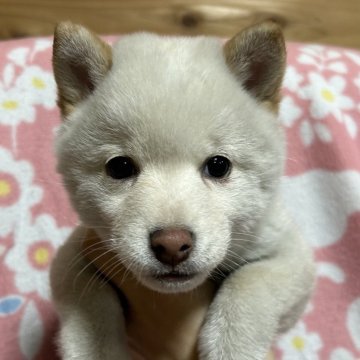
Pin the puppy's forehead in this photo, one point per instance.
(157, 76)
(172, 58)
(170, 91)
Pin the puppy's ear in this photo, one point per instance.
(80, 61)
(257, 57)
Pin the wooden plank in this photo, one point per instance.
(322, 21)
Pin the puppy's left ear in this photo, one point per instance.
(80, 60)
(257, 57)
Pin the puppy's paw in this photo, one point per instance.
(221, 340)
(213, 339)
(232, 331)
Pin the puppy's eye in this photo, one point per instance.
(217, 166)
(121, 167)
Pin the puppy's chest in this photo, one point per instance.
(165, 326)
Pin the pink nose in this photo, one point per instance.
(172, 245)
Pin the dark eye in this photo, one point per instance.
(121, 167)
(217, 166)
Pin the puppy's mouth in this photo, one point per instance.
(175, 276)
(173, 281)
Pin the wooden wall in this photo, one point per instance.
(323, 21)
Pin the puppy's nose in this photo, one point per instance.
(171, 246)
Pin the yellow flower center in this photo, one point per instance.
(327, 95)
(38, 83)
(41, 256)
(298, 343)
(10, 105)
(5, 188)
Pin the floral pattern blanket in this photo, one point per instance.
(320, 113)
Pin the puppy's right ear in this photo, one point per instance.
(80, 60)
(257, 58)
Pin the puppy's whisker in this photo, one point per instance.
(220, 272)
(107, 267)
(139, 278)
(81, 256)
(94, 277)
(111, 274)
(129, 267)
(91, 263)
(90, 249)
(77, 259)
(235, 263)
(216, 275)
(101, 227)
(251, 235)
(112, 271)
(236, 256)
(243, 245)
(103, 274)
(231, 267)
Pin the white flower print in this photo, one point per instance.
(322, 58)
(15, 107)
(289, 111)
(8, 75)
(330, 271)
(341, 354)
(326, 96)
(309, 308)
(353, 322)
(338, 67)
(353, 56)
(306, 133)
(2, 250)
(300, 344)
(309, 131)
(323, 132)
(41, 44)
(17, 192)
(34, 86)
(321, 189)
(357, 81)
(34, 247)
(39, 86)
(292, 79)
(19, 55)
(31, 331)
(311, 55)
(350, 126)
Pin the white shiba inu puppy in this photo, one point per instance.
(171, 151)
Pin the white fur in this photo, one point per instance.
(170, 104)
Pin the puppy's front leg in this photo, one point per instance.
(92, 324)
(256, 301)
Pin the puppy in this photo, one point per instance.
(170, 149)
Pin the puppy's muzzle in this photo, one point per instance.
(171, 246)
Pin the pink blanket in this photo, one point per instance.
(321, 115)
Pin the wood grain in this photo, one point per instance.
(323, 21)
